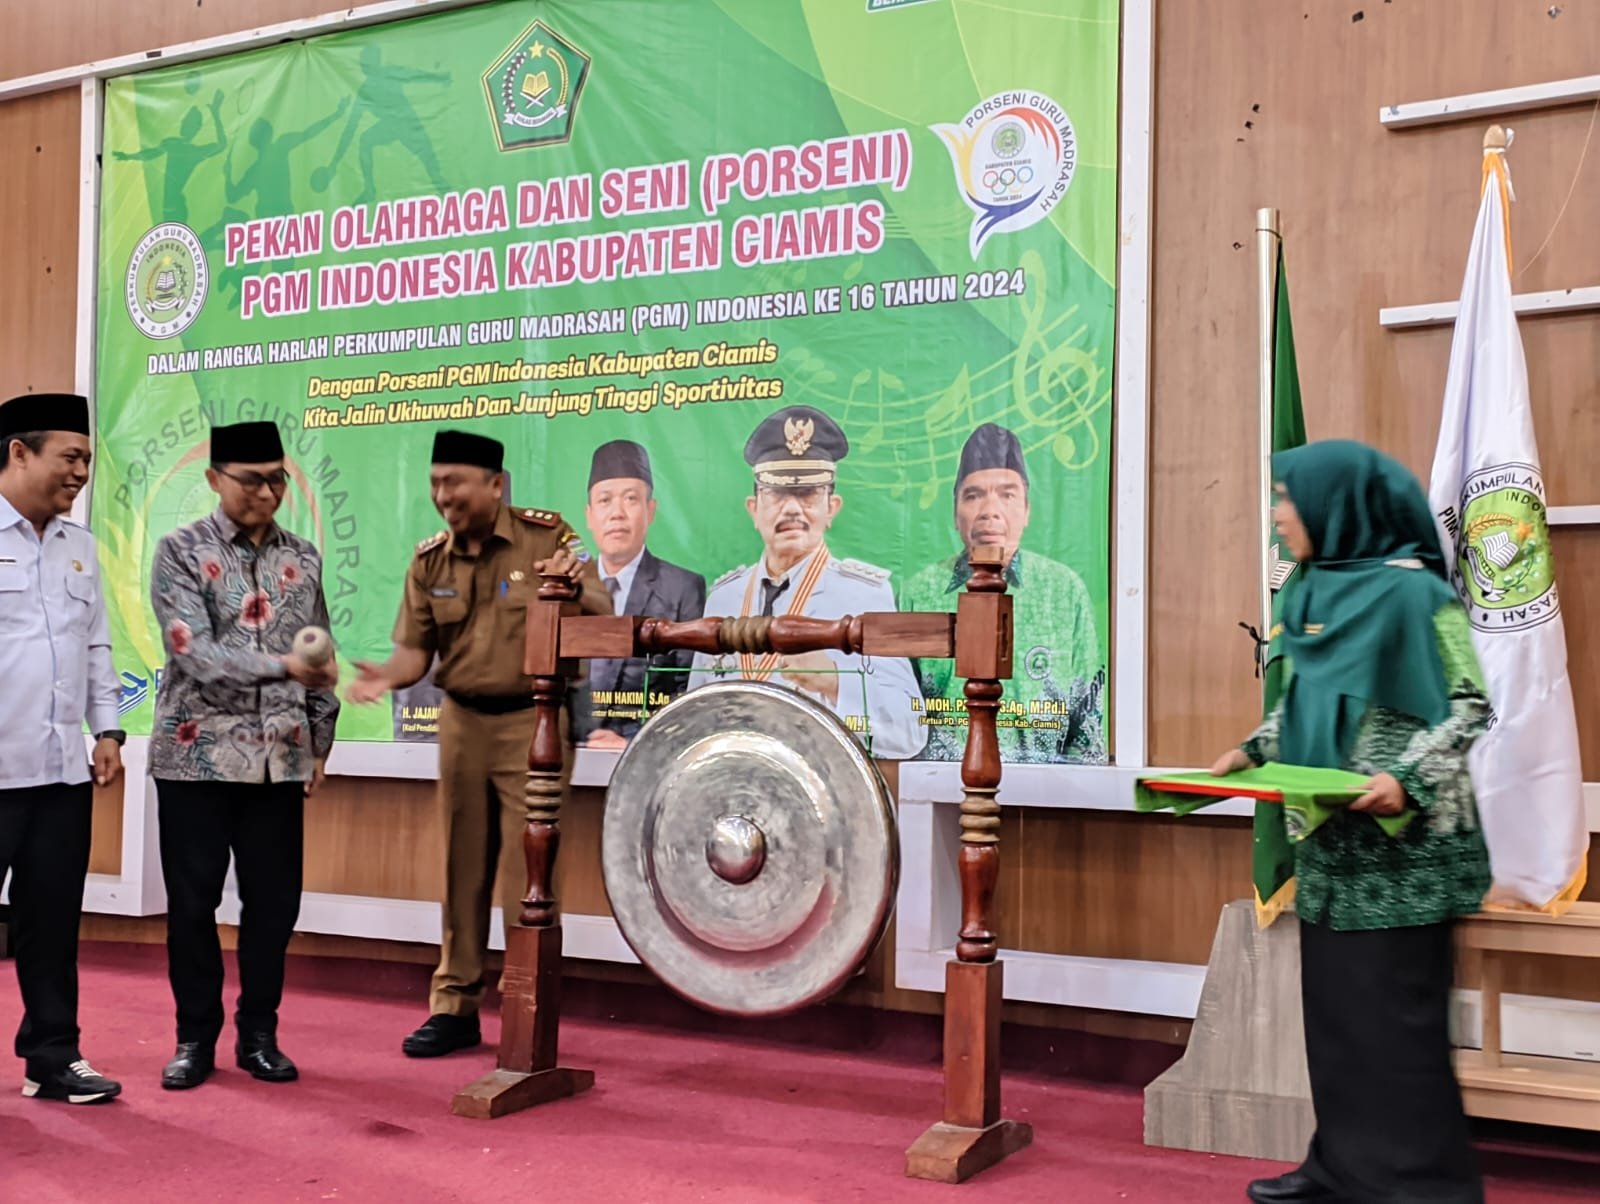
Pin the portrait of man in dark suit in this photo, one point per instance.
(608, 706)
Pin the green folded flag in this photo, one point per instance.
(1310, 797)
(1271, 853)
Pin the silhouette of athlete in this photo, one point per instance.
(382, 94)
(268, 178)
(183, 155)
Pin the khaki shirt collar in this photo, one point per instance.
(502, 530)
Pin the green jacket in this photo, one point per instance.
(1054, 705)
(1350, 875)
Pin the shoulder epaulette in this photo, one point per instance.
(862, 571)
(728, 576)
(542, 518)
(433, 541)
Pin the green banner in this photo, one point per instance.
(562, 223)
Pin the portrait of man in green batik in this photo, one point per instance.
(1054, 703)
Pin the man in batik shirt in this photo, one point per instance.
(243, 727)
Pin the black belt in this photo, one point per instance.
(492, 704)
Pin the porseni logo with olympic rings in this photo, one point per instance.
(1014, 155)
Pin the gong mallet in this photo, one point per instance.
(313, 645)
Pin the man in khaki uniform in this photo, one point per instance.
(466, 601)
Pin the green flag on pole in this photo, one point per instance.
(1272, 856)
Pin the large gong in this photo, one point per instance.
(749, 848)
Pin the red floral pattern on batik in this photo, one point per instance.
(256, 610)
(228, 610)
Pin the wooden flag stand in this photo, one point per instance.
(526, 1072)
(971, 1134)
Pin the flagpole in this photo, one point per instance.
(1267, 237)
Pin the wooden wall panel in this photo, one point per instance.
(1100, 884)
(383, 838)
(105, 841)
(580, 885)
(43, 37)
(39, 218)
(1577, 551)
(374, 836)
(1266, 103)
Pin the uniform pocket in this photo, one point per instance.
(80, 600)
(447, 612)
(511, 611)
(16, 607)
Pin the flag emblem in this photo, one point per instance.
(1503, 569)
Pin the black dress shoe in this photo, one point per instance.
(259, 1054)
(190, 1066)
(442, 1034)
(78, 1083)
(1296, 1187)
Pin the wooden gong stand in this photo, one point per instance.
(972, 1135)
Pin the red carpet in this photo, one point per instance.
(674, 1116)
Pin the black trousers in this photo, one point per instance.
(263, 827)
(44, 838)
(1390, 1125)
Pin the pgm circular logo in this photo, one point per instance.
(1503, 568)
(167, 281)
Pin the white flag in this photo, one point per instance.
(1488, 493)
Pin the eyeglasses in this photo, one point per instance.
(253, 481)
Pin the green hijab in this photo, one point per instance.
(1358, 627)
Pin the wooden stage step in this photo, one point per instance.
(1541, 1091)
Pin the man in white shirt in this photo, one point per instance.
(794, 455)
(55, 661)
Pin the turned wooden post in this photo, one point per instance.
(972, 1136)
(530, 1010)
(541, 839)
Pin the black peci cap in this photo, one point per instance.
(460, 447)
(621, 458)
(44, 412)
(991, 446)
(246, 443)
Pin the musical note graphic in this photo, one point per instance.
(1053, 389)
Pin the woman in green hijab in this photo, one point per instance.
(1384, 682)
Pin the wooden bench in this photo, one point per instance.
(1545, 1091)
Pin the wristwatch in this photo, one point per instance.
(117, 734)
